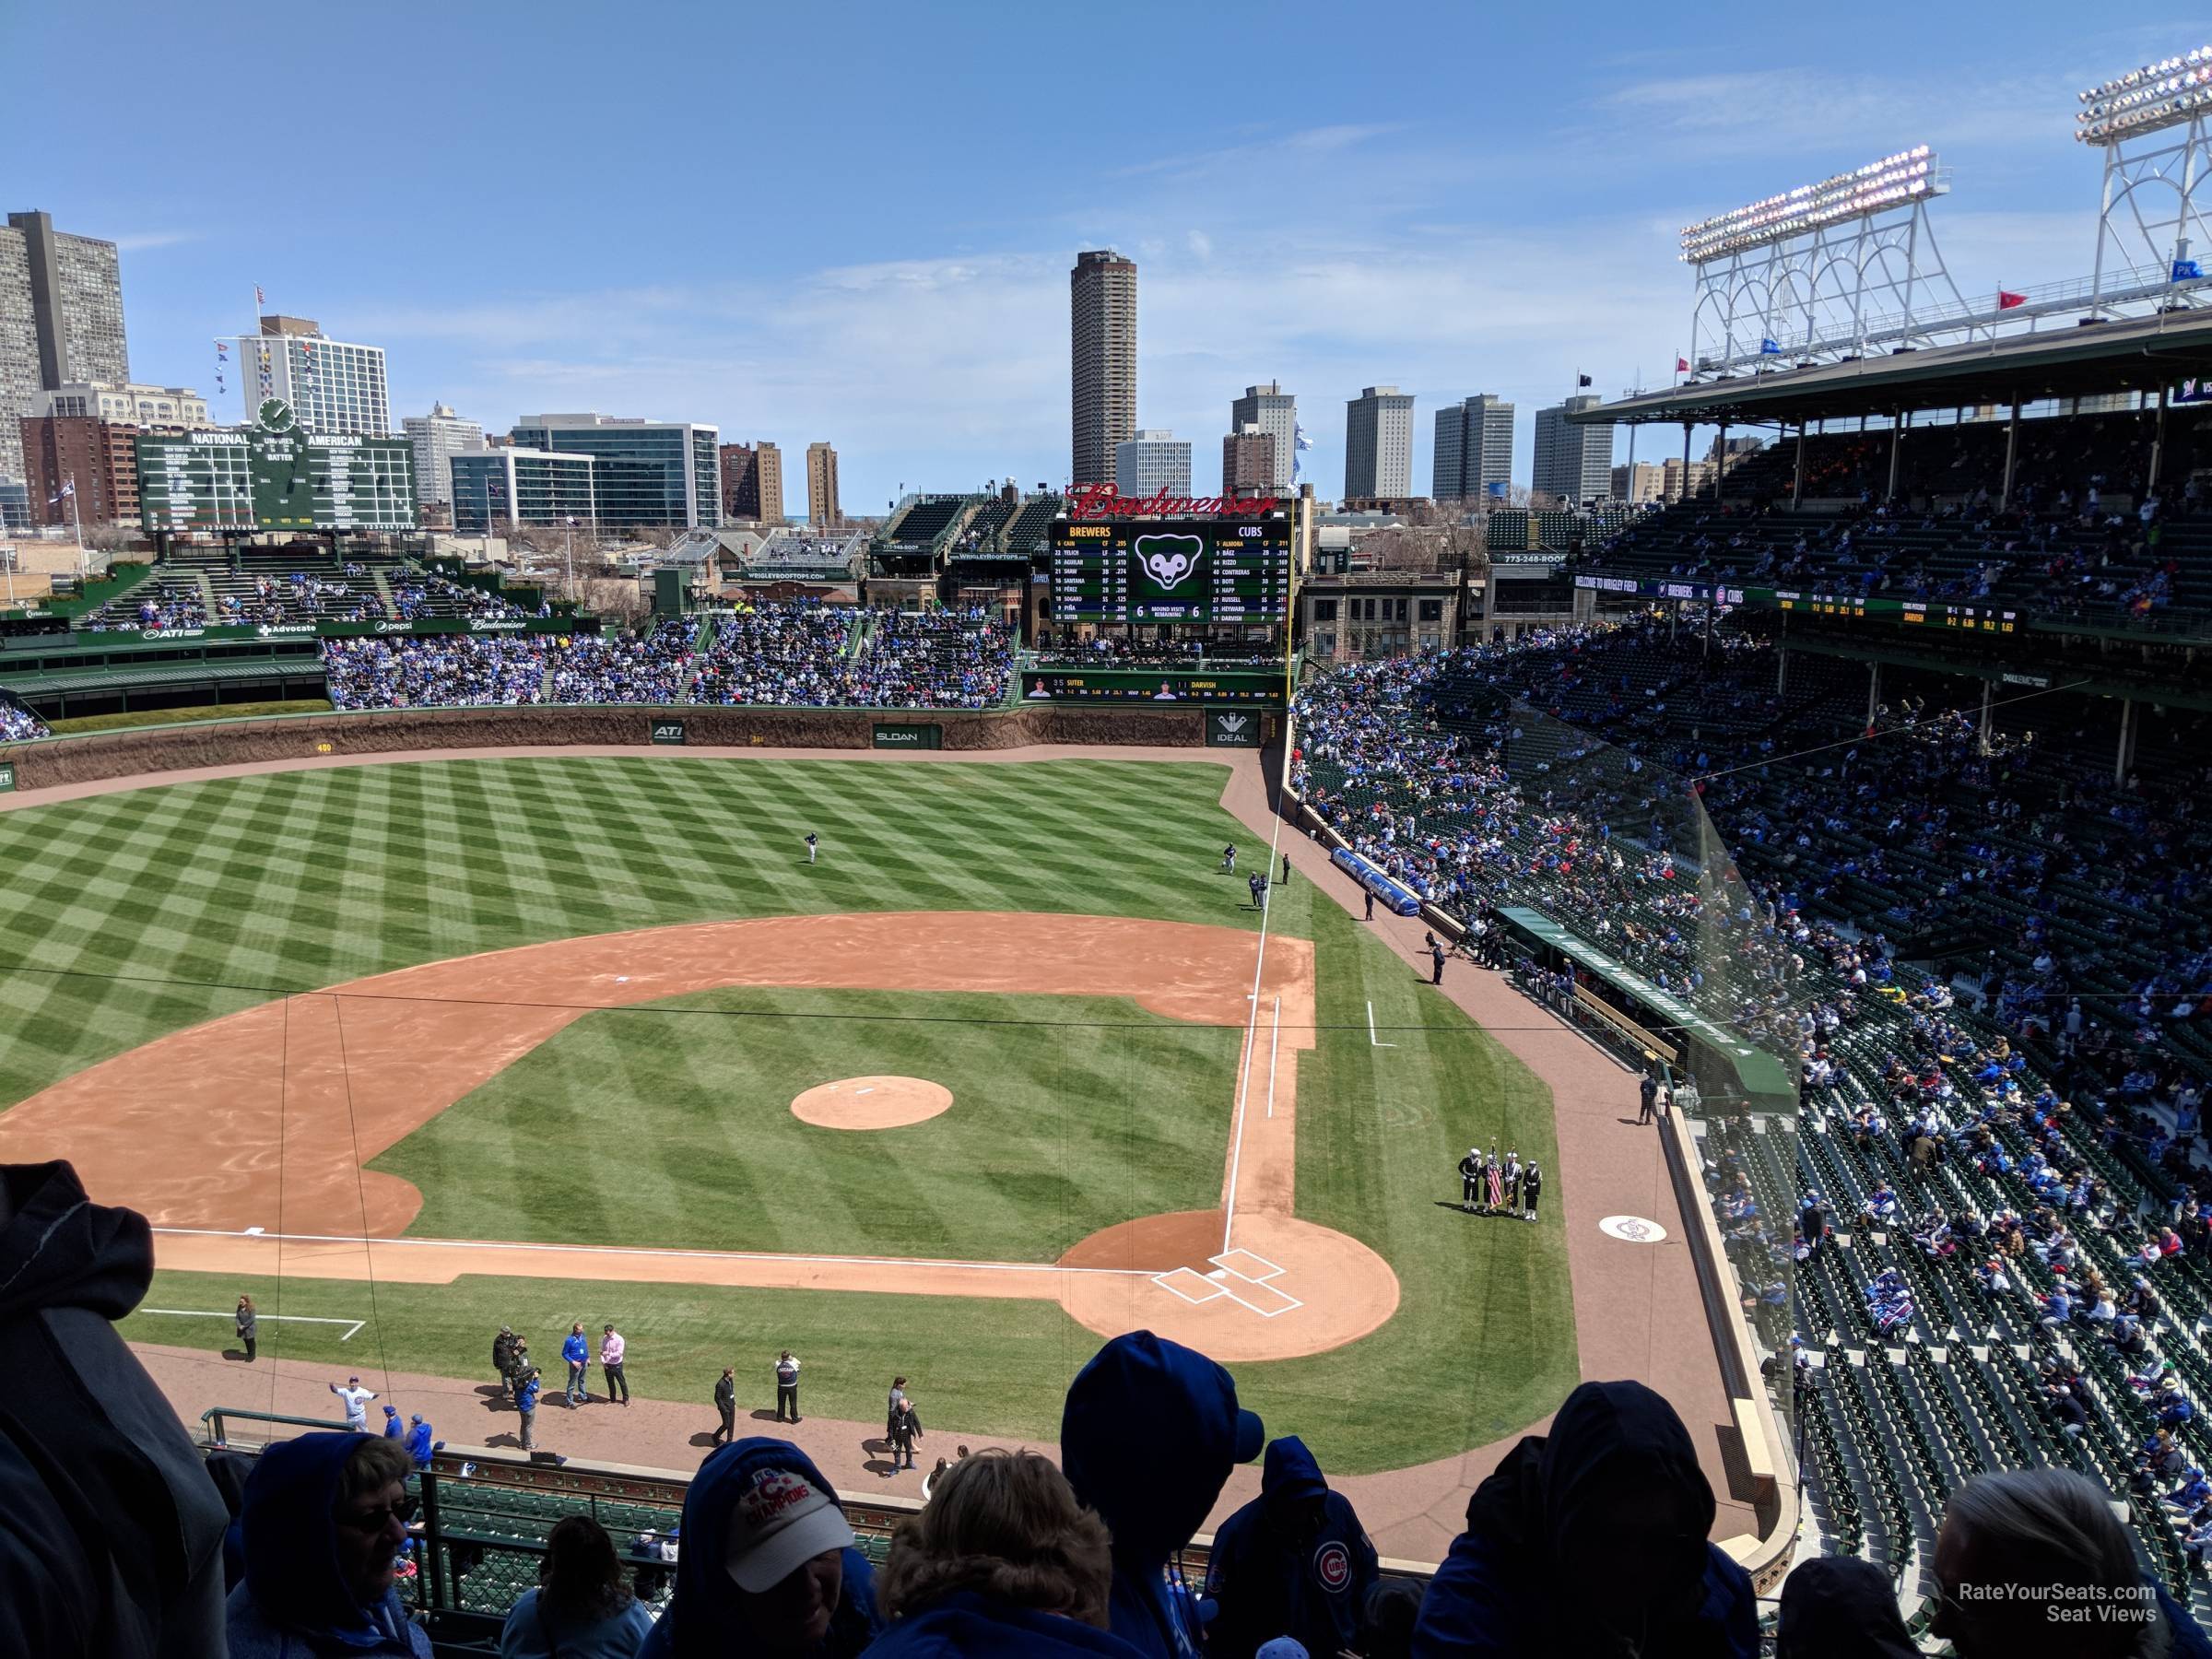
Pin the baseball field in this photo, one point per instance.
(409, 1051)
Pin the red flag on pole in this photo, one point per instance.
(1681, 365)
(2006, 299)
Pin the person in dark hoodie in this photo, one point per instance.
(1591, 1540)
(1294, 1561)
(1149, 1435)
(1002, 1562)
(768, 1566)
(1840, 1607)
(110, 1530)
(323, 1519)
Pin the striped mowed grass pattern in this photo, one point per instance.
(126, 916)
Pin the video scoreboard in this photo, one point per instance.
(272, 476)
(1188, 570)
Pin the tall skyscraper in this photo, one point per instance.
(1378, 443)
(1152, 461)
(1573, 463)
(334, 386)
(1473, 448)
(821, 486)
(1102, 361)
(438, 437)
(646, 473)
(61, 320)
(1274, 412)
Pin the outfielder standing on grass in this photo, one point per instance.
(813, 844)
(1228, 859)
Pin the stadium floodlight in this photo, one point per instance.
(1893, 181)
(2167, 93)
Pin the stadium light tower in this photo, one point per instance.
(2151, 125)
(1814, 271)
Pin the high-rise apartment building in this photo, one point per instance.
(61, 320)
(334, 386)
(438, 437)
(646, 475)
(1248, 463)
(752, 483)
(1573, 463)
(1274, 412)
(1378, 444)
(80, 468)
(821, 486)
(1101, 361)
(1473, 448)
(1644, 481)
(1151, 462)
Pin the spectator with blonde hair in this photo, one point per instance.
(2032, 1564)
(1003, 1559)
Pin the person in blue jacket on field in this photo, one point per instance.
(321, 1527)
(1002, 1563)
(1149, 1435)
(1294, 1561)
(1592, 1540)
(768, 1566)
(421, 1447)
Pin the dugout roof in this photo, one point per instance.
(2129, 354)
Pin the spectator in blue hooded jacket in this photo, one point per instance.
(768, 1566)
(1002, 1563)
(420, 1446)
(1294, 1561)
(323, 1519)
(1148, 1438)
(1592, 1540)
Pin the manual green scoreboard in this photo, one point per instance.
(272, 476)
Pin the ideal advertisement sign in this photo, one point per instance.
(1232, 728)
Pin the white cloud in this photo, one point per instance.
(140, 241)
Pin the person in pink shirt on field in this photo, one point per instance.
(611, 1349)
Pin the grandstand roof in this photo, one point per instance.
(2136, 354)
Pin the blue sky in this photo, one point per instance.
(854, 222)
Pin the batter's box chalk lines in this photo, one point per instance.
(1245, 1264)
(1228, 1279)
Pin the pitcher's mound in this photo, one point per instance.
(871, 1102)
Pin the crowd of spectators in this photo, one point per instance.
(301, 597)
(790, 654)
(650, 668)
(154, 603)
(2083, 535)
(18, 722)
(434, 671)
(430, 594)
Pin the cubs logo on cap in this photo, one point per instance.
(782, 1521)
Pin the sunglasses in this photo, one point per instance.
(376, 1520)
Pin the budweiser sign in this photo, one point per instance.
(1102, 500)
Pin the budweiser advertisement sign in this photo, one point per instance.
(1102, 500)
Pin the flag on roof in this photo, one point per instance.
(1681, 365)
(2007, 298)
(1767, 349)
(259, 297)
(2188, 270)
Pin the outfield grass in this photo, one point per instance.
(670, 1123)
(126, 916)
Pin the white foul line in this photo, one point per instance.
(1275, 1042)
(1371, 1029)
(640, 1250)
(1252, 1026)
(351, 1325)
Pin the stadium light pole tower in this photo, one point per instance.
(2151, 125)
(1816, 271)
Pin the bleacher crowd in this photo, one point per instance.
(2007, 1149)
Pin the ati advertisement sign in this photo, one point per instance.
(1232, 728)
(668, 731)
(1166, 687)
(909, 736)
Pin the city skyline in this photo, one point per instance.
(929, 329)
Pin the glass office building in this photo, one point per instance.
(645, 474)
(514, 486)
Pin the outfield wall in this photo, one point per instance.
(130, 751)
